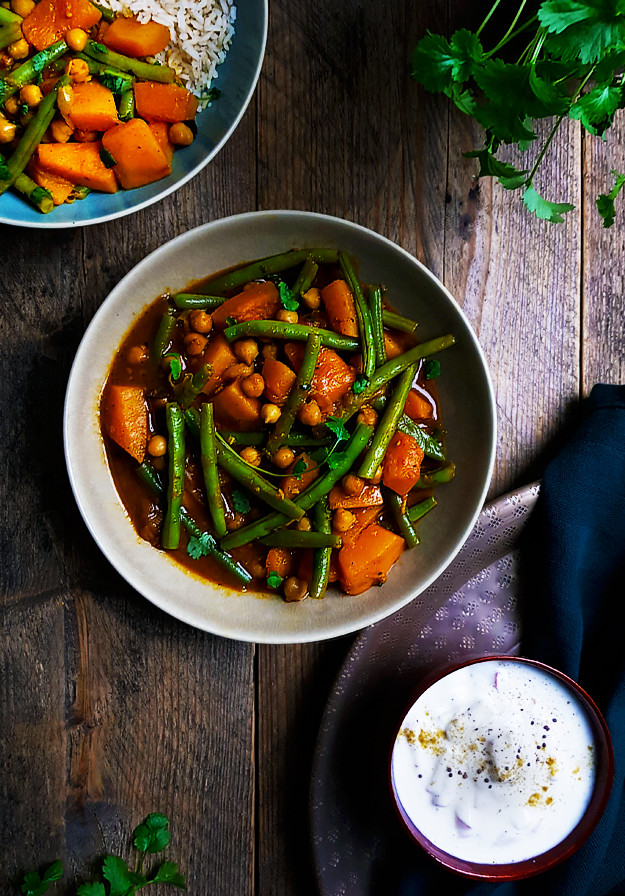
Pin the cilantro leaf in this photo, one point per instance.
(543, 208)
(202, 546)
(596, 108)
(432, 368)
(360, 384)
(509, 176)
(168, 873)
(91, 889)
(288, 301)
(437, 63)
(274, 580)
(120, 878)
(115, 83)
(35, 884)
(240, 501)
(5, 172)
(335, 459)
(152, 834)
(336, 426)
(605, 201)
(175, 365)
(583, 29)
(300, 467)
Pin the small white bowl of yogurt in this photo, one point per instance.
(501, 767)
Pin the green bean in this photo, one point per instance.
(305, 278)
(403, 521)
(209, 468)
(297, 395)
(417, 511)
(365, 327)
(150, 477)
(31, 137)
(437, 477)
(107, 14)
(197, 300)
(40, 198)
(393, 368)
(430, 446)
(9, 34)
(398, 322)
(294, 538)
(78, 192)
(191, 386)
(170, 535)
(321, 556)
(147, 71)
(301, 440)
(388, 425)
(126, 109)
(375, 309)
(30, 69)
(163, 335)
(277, 329)
(273, 264)
(254, 482)
(308, 498)
(8, 17)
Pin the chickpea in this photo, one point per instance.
(253, 386)
(26, 118)
(367, 416)
(251, 456)
(65, 99)
(235, 521)
(270, 413)
(237, 371)
(279, 560)
(256, 569)
(60, 130)
(194, 344)
(11, 105)
(78, 71)
(283, 457)
(377, 476)
(137, 354)
(76, 39)
(287, 317)
(31, 95)
(343, 519)
(270, 351)
(312, 299)
(295, 589)
(19, 49)
(22, 8)
(7, 130)
(353, 485)
(157, 446)
(83, 136)
(304, 525)
(180, 134)
(200, 321)
(246, 350)
(309, 413)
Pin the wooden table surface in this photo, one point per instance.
(109, 709)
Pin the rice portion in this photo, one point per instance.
(201, 31)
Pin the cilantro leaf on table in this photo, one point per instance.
(152, 835)
(168, 873)
(95, 888)
(543, 208)
(121, 879)
(605, 201)
(36, 884)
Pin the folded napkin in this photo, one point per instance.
(574, 572)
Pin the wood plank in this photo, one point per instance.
(603, 284)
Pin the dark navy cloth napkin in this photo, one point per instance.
(574, 620)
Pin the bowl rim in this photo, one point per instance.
(574, 839)
(46, 224)
(241, 632)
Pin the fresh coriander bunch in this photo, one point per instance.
(149, 837)
(571, 66)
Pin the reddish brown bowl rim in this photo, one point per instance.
(579, 834)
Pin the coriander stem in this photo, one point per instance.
(511, 35)
(493, 8)
(506, 36)
(541, 154)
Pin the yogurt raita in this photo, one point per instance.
(495, 762)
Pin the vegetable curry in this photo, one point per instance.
(277, 427)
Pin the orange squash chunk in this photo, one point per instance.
(260, 301)
(78, 162)
(93, 108)
(370, 496)
(340, 308)
(59, 187)
(402, 463)
(220, 357)
(160, 129)
(367, 560)
(51, 19)
(235, 410)
(164, 102)
(138, 156)
(417, 406)
(132, 38)
(125, 419)
(331, 380)
(279, 379)
(295, 485)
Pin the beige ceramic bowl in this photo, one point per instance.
(466, 399)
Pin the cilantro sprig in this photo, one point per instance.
(572, 65)
(149, 837)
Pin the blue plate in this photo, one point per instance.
(237, 78)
